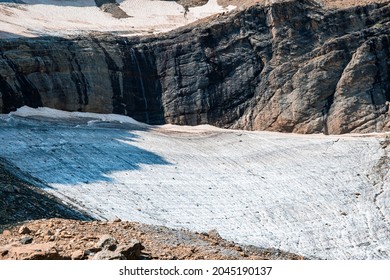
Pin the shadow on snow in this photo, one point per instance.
(66, 153)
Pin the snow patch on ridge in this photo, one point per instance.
(26, 111)
(313, 195)
(75, 17)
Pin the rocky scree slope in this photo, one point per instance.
(290, 67)
(121, 240)
(21, 201)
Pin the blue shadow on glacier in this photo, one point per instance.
(73, 153)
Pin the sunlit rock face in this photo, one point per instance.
(286, 66)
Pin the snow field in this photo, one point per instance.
(75, 17)
(320, 196)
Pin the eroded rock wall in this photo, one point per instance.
(83, 74)
(291, 67)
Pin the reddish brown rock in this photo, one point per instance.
(43, 251)
(134, 241)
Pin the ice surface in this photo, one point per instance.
(26, 111)
(320, 196)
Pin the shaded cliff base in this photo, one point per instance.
(21, 201)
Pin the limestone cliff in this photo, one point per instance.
(291, 66)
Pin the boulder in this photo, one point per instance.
(26, 240)
(107, 242)
(131, 250)
(24, 230)
(44, 251)
(108, 255)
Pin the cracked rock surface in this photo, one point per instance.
(288, 66)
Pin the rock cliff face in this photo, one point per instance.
(291, 67)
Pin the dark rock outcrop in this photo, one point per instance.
(112, 7)
(291, 67)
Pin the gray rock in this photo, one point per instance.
(131, 250)
(214, 234)
(91, 251)
(26, 240)
(107, 242)
(108, 255)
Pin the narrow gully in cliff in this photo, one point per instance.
(30, 93)
(78, 77)
(134, 57)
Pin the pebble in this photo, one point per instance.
(6, 233)
(78, 255)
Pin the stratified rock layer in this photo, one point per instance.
(291, 67)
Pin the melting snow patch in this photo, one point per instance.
(72, 17)
(26, 111)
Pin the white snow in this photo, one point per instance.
(320, 196)
(26, 111)
(73, 17)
